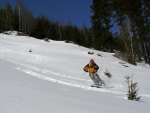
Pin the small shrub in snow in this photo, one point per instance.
(132, 91)
(30, 50)
(21, 34)
(108, 74)
(100, 55)
(46, 40)
(67, 41)
(90, 53)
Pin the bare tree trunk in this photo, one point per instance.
(59, 31)
(126, 37)
(19, 11)
(131, 40)
(6, 22)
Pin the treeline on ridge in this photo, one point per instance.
(131, 17)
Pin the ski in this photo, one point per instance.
(99, 87)
(96, 86)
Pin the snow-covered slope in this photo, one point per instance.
(50, 79)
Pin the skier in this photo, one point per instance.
(92, 68)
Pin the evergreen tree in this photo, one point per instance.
(87, 39)
(146, 13)
(132, 91)
(101, 22)
(16, 20)
(27, 20)
(40, 27)
(136, 31)
(54, 31)
(1, 21)
(68, 32)
(7, 17)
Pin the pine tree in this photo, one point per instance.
(27, 20)
(101, 22)
(7, 17)
(16, 20)
(136, 13)
(40, 28)
(132, 91)
(146, 12)
(24, 18)
(87, 40)
(1, 22)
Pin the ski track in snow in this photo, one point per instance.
(35, 71)
(63, 79)
(54, 76)
(66, 83)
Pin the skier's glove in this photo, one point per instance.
(86, 70)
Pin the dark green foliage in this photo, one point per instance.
(132, 91)
(101, 24)
(40, 27)
(133, 39)
(16, 20)
(137, 34)
(6, 17)
(1, 22)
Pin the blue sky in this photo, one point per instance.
(78, 12)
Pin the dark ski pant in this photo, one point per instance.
(95, 78)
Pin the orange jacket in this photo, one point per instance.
(91, 68)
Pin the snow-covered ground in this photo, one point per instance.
(50, 79)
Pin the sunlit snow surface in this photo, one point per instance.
(50, 79)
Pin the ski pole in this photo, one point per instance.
(86, 78)
(78, 77)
